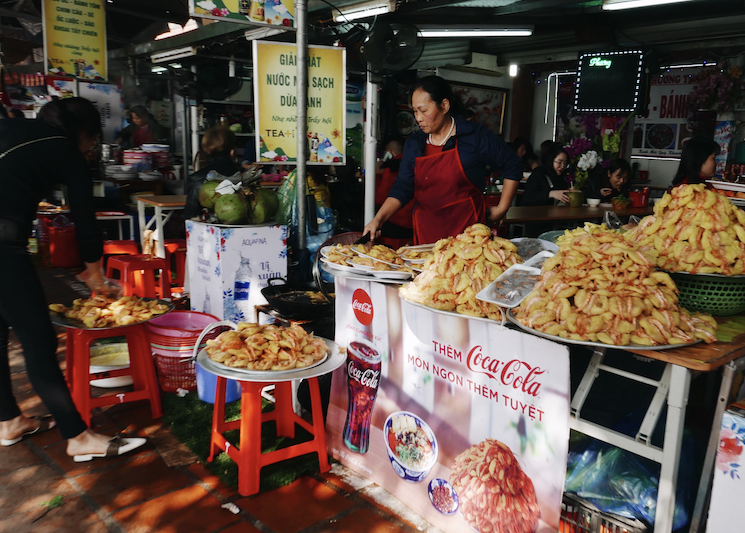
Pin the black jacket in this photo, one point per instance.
(540, 183)
(30, 172)
(599, 180)
(221, 163)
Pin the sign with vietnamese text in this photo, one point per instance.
(426, 399)
(108, 100)
(275, 90)
(275, 12)
(75, 38)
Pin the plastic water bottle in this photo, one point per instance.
(207, 306)
(242, 280)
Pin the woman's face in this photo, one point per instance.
(618, 178)
(521, 151)
(560, 163)
(138, 121)
(709, 166)
(429, 116)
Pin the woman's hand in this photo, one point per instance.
(606, 191)
(561, 196)
(496, 214)
(373, 228)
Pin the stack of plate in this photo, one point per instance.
(150, 176)
(160, 154)
(138, 158)
(121, 172)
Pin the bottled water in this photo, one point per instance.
(242, 280)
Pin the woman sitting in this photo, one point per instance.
(547, 185)
(697, 162)
(607, 185)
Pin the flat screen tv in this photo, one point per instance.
(610, 82)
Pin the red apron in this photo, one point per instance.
(446, 201)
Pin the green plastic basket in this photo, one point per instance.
(711, 293)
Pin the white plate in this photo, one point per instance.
(380, 260)
(359, 268)
(419, 247)
(351, 274)
(150, 176)
(488, 293)
(391, 275)
(727, 186)
(631, 346)
(326, 249)
(337, 267)
(739, 202)
(453, 313)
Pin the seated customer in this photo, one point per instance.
(524, 151)
(546, 185)
(606, 185)
(218, 143)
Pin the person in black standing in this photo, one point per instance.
(36, 155)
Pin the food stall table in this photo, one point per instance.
(547, 213)
(164, 206)
(248, 455)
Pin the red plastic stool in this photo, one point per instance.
(141, 368)
(177, 249)
(138, 275)
(119, 248)
(248, 454)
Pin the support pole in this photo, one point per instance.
(301, 17)
(194, 122)
(185, 129)
(371, 142)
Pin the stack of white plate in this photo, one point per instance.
(150, 176)
(121, 172)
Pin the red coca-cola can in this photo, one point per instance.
(363, 379)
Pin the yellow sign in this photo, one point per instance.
(276, 12)
(75, 38)
(275, 96)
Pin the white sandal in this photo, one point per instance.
(117, 446)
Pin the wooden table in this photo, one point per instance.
(164, 206)
(546, 213)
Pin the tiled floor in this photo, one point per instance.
(139, 493)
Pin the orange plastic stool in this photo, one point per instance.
(119, 248)
(247, 455)
(176, 248)
(141, 368)
(138, 275)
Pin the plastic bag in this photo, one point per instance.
(287, 197)
(214, 175)
(611, 220)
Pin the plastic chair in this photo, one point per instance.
(247, 455)
(137, 275)
(176, 248)
(141, 368)
(125, 247)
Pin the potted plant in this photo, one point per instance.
(620, 201)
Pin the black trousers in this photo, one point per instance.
(23, 307)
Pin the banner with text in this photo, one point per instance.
(75, 38)
(664, 130)
(108, 100)
(275, 12)
(275, 90)
(463, 419)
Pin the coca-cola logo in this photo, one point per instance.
(362, 307)
(515, 373)
(367, 378)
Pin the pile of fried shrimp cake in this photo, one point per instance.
(601, 288)
(256, 347)
(102, 312)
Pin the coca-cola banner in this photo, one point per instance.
(464, 420)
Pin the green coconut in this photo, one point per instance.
(207, 194)
(262, 206)
(231, 208)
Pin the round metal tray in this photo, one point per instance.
(334, 360)
(630, 346)
(62, 320)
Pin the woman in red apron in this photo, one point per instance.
(444, 168)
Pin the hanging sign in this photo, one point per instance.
(108, 100)
(254, 12)
(275, 91)
(75, 38)
(464, 420)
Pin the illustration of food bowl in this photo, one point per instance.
(411, 445)
(443, 496)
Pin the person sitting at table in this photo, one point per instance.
(607, 184)
(143, 129)
(547, 185)
(524, 151)
(218, 143)
(697, 162)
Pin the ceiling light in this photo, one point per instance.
(471, 31)
(687, 65)
(158, 70)
(613, 5)
(364, 10)
(176, 53)
(513, 70)
(256, 34)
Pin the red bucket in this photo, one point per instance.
(639, 198)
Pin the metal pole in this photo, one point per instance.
(301, 16)
(371, 142)
(185, 128)
(194, 123)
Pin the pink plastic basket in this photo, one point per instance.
(180, 324)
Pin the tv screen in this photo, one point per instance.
(609, 82)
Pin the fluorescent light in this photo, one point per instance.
(513, 70)
(614, 5)
(170, 55)
(475, 31)
(364, 10)
(688, 65)
(158, 70)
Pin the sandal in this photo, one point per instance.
(45, 424)
(117, 446)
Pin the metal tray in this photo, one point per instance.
(62, 320)
(335, 358)
(454, 314)
(630, 346)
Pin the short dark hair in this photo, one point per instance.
(73, 116)
(695, 153)
(550, 155)
(398, 140)
(546, 144)
(619, 164)
(439, 89)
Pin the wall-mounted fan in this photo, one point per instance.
(391, 47)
